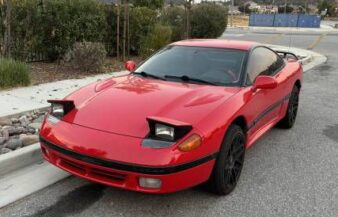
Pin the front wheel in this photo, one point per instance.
(229, 162)
(290, 117)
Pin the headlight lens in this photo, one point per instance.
(57, 110)
(164, 132)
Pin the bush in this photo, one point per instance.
(208, 20)
(13, 73)
(156, 39)
(175, 18)
(142, 21)
(87, 56)
(52, 27)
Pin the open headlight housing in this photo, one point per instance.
(165, 132)
(59, 108)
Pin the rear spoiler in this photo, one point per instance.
(285, 54)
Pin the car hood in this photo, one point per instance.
(121, 105)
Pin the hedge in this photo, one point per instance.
(51, 27)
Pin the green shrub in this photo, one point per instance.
(13, 73)
(87, 56)
(155, 40)
(208, 20)
(175, 18)
(53, 26)
(142, 21)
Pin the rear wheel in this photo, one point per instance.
(229, 162)
(291, 114)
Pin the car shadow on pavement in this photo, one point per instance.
(73, 202)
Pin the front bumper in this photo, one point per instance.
(126, 176)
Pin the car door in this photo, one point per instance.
(264, 105)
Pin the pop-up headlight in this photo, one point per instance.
(165, 132)
(60, 108)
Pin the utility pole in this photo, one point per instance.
(125, 29)
(118, 30)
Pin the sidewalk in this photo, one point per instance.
(19, 100)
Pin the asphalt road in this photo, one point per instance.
(286, 173)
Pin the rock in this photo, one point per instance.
(15, 120)
(35, 125)
(5, 150)
(5, 133)
(5, 121)
(24, 120)
(16, 130)
(2, 140)
(29, 139)
(31, 130)
(13, 144)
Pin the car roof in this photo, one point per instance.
(217, 43)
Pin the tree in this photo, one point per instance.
(328, 6)
(208, 20)
(245, 8)
(175, 18)
(7, 24)
(285, 9)
(188, 6)
(153, 4)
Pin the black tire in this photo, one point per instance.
(291, 114)
(229, 162)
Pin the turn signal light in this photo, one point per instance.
(191, 143)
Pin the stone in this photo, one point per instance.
(5, 121)
(30, 130)
(5, 150)
(5, 133)
(24, 120)
(13, 144)
(35, 125)
(16, 130)
(28, 139)
(2, 140)
(15, 120)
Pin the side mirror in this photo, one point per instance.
(264, 82)
(130, 66)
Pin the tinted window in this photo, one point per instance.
(263, 62)
(220, 66)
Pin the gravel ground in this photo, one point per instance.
(286, 173)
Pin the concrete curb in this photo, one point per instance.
(20, 158)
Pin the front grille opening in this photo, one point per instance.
(73, 166)
(109, 176)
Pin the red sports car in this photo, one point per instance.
(182, 118)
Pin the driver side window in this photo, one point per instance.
(263, 62)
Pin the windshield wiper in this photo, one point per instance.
(145, 74)
(187, 79)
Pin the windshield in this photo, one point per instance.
(212, 65)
